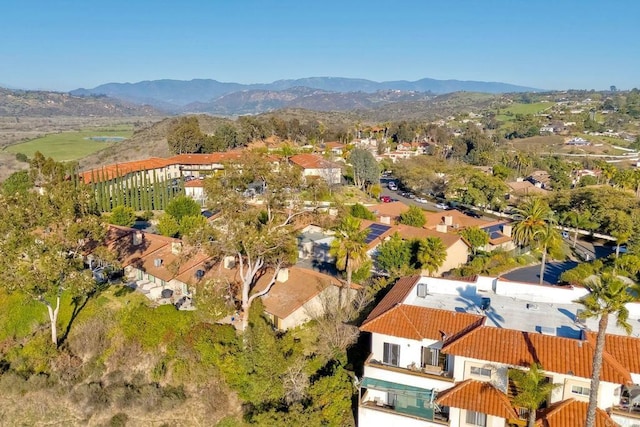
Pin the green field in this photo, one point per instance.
(514, 109)
(66, 146)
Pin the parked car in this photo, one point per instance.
(421, 200)
(386, 199)
(472, 214)
(392, 186)
(442, 206)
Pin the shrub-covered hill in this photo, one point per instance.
(122, 362)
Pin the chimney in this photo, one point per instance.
(448, 220)
(137, 238)
(157, 262)
(441, 228)
(229, 262)
(176, 248)
(283, 275)
(506, 230)
(385, 220)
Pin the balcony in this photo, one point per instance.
(433, 372)
(402, 400)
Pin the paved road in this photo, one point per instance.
(552, 272)
(397, 195)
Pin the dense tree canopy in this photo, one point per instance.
(45, 234)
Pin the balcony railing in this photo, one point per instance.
(420, 412)
(434, 372)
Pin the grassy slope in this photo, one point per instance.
(116, 337)
(533, 108)
(68, 146)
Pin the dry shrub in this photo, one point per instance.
(66, 367)
(90, 338)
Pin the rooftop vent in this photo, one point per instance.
(157, 262)
(422, 290)
(137, 238)
(531, 306)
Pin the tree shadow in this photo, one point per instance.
(477, 304)
(123, 291)
(79, 303)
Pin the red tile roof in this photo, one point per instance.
(393, 209)
(458, 220)
(478, 396)
(108, 172)
(194, 183)
(519, 348)
(396, 295)
(626, 350)
(417, 323)
(302, 286)
(408, 232)
(312, 161)
(571, 413)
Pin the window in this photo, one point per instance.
(391, 354)
(476, 418)
(482, 372)
(430, 356)
(582, 391)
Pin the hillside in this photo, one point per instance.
(254, 101)
(15, 103)
(150, 141)
(177, 95)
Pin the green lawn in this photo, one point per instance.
(534, 108)
(67, 146)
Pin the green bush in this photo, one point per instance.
(119, 420)
(151, 327)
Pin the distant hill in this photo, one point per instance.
(47, 104)
(260, 101)
(180, 96)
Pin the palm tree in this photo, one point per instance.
(532, 389)
(546, 238)
(535, 225)
(608, 295)
(431, 254)
(578, 220)
(349, 248)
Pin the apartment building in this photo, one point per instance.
(441, 352)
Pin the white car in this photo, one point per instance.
(421, 200)
(442, 206)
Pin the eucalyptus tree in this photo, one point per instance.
(257, 233)
(45, 235)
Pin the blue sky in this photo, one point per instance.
(561, 44)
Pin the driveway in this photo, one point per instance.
(552, 272)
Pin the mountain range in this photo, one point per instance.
(316, 93)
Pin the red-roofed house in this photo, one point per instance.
(442, 349)
(314, 165)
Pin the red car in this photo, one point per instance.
(385, 199)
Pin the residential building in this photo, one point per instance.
(441, 352)
(314, 165)
(457, 250)
(300, 295)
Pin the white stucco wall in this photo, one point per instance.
(368, 417)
